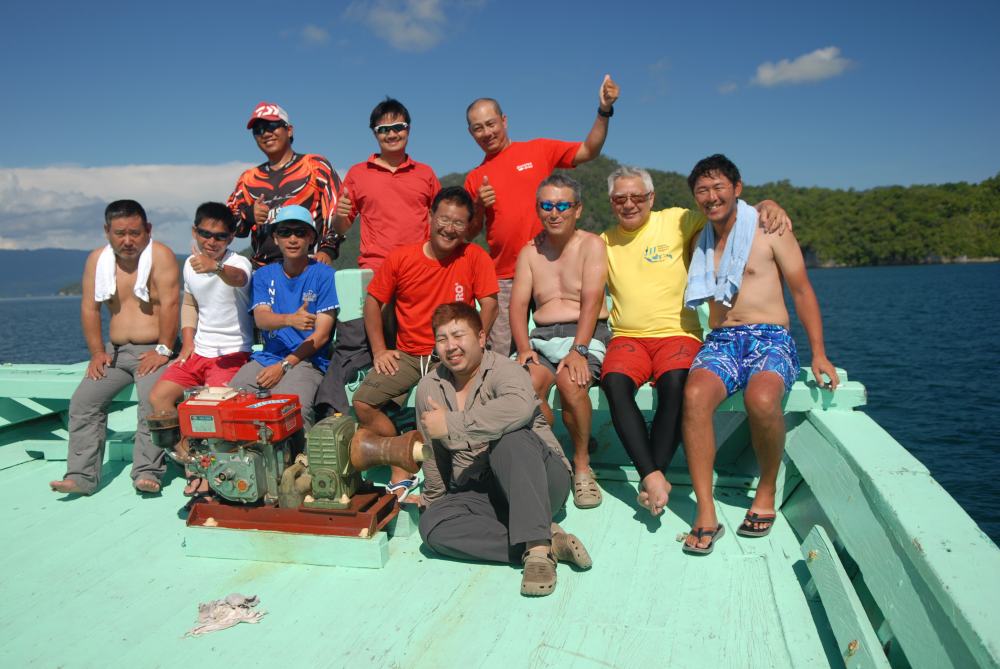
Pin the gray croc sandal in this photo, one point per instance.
(569, 548)
(539, 578)
(586, 492)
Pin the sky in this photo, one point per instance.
(150, 101)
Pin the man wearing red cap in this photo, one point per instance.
(285, 178)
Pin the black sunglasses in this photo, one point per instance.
(261, 127)
(285, 233)
(217, 236)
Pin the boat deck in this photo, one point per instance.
(871, 564)
(103, 581)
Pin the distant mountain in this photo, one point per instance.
(881, 226)
(40, 271)
(43, 272)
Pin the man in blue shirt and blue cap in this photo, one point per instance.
(294, 306)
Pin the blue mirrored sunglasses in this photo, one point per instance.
(546, 205)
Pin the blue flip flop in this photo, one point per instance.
(406, 485)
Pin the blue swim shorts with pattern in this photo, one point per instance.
(735, 354)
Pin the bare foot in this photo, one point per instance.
(654, 493)
(67, 487)
(147, 486)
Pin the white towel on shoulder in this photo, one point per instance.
(105, 285)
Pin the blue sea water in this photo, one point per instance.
(923, 340)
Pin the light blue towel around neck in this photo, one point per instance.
(703, 283)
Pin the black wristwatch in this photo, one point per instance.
(581, 349)
(606, 114)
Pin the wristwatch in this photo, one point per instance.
(581, 349)
(606, 114)
(286, 366)
(219, 267)
(163, 350)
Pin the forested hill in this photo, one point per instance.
(889, 225)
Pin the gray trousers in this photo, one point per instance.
(500, 339)
(492, 519)
(88, 420)
(302, 380)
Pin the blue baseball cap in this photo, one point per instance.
(294, 212)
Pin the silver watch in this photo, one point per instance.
(163, 350)
(219, 267)
(286, 366)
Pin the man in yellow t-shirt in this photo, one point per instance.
(655, 337)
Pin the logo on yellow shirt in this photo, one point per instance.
(657, 253)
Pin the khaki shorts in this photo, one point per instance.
(378, 389)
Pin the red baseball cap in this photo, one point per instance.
(267, 111)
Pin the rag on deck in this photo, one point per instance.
(223, 613)
(105, 285)
(703, 282)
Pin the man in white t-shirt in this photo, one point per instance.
(216, 327)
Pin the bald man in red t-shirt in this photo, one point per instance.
(504, 187)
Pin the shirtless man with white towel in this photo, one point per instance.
(138, 279)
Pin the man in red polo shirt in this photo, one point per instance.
(419, 278)
(392, 194)
(504, 187)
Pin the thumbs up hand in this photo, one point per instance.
(344, 204)
(260, 210)
(486, 193)
(301, 319)
(200, 262)
(609, 93)
(435, 421)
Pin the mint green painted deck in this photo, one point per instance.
(104, 581)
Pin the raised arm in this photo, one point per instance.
(772, 218)
(345, 213)
(592, 145)
(788, 256)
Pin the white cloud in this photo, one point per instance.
(727, 88)
(63, 206)
(816, 66)
(315, 35)
(407, 25)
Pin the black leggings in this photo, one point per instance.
(650, 451)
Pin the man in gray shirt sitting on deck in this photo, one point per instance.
(139, 281)
(498, 474)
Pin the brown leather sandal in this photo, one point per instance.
(586, 492)
(539, 578)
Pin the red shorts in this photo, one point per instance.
(642, 359)
(200, 371)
